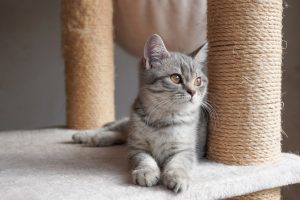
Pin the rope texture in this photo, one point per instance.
(271, 194)
(245, 80)
(245, 83)
(88, 52)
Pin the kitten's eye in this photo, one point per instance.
(197, 81)
(176, 78)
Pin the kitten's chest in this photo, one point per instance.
(165, 143)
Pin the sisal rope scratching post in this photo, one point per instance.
(245, 83)
(271, 194)
(88, 52)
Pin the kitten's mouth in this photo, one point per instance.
(189, 100)
(186, 99)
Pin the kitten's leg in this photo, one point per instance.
(145, 169)
(110, 134)
(176, 172)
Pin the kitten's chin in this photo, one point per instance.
(189, 102)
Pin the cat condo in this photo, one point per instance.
(244, 66)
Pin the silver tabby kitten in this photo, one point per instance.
(165, 134)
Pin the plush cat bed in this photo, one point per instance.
(45, 164)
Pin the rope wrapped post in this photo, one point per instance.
(244, 62)
(88, 52)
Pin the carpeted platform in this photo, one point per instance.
(45, 164)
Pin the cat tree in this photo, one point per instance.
(244, 64)
(89, 70)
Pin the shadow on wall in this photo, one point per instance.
(31, 67)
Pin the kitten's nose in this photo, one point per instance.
(191, 92)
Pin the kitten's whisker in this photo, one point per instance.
(212, 114)
(213, 110)
(172, 102)
(155, 108)
(210, 110)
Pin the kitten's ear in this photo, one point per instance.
(200, 54)
(154, 50)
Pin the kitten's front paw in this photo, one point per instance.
(81, 137)
(146, 177)
(176, 180)
(103, 138)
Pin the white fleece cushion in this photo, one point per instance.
(44, 164)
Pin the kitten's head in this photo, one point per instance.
(171, 77)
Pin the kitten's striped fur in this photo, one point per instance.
(164, 132)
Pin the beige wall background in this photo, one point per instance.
(32, 71)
